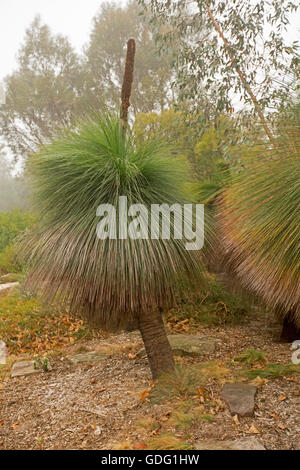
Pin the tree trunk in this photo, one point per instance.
(156, 343)
(290, 331)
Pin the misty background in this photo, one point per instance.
(60, 58)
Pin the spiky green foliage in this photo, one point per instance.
(260, 220)
(109, 281)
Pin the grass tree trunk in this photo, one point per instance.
(156, 343)
(290, 330)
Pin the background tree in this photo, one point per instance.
(106, 59)
(172, 125)
(208, 145)
(53, 85)
(243, 52)
(14, 190)
(43, 93)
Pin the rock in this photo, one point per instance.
(9, 285)
(240, 398)
(189, 345)
(247, 443)
(88, 357)
(24, 368)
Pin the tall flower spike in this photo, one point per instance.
(127, 81)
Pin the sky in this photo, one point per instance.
(73, 18)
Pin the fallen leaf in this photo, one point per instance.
(164, 418)
(291, 379)
(253, 430)
(258, 381)
(144, 396)
(282, 398)
(281, 426)
(274, 414)
(236, 420)
(15, 427)
(140, 445)
(200, 394)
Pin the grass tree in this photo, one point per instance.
(110, 281)
(260, 220)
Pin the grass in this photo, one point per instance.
(182, 383)
(254, 364)
(5, 369)
(272, 371)
(213, 370)
(181, 419)
(185, 382)
(29, 326)
(148, 424)
(167, 442)
(11, 277)
(214, 306)
(251, 357)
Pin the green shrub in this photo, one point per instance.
(10, 261)
(214, 306)
(12, 224)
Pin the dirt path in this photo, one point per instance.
(100, 405)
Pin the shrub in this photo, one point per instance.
(12, 224)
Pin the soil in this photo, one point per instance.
(100, 404)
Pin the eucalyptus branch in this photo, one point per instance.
(239, 72)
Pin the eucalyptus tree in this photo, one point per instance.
(53, 84)
(105, 54)
(43, 93)
(228, 48)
